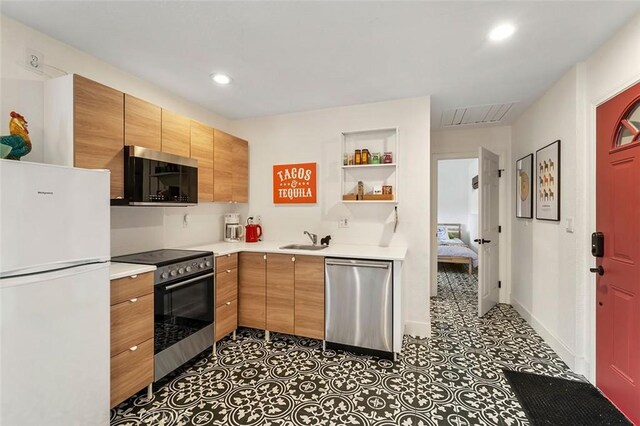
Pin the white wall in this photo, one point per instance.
(563, 310)
(465, 143)
(315, 136)
(456, 196)
(543, 281)
(133, 228)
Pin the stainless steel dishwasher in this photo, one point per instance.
(359, 303)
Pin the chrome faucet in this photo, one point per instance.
(314, 237)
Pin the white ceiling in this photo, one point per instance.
(296, 56)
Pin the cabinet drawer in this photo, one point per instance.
(226, 286)
(131, 371)
(226, 318)
(130, 287)
(131, 323)
(228, 261)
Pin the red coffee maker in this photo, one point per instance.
(252, 231)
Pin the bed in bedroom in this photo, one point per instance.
(451, 249)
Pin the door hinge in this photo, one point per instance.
(500, 172)
(499, 229)
(499, 284)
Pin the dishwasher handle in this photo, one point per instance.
(379, 265)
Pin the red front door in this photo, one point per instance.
(618, 217)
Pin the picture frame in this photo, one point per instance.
(548, 182)
(524, 187)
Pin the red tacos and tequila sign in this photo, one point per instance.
(294, 183)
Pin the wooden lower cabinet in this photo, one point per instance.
(226, 318)
(309, 297)
(252, 276)
(131, 371)
(131, 335)
(280, 294)
(226, 295)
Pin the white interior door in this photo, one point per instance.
(488, 266)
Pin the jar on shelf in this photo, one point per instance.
(345, 160)
(365, 156)
(375, 158)
(350, 161)
(387, 158)
(357, 157)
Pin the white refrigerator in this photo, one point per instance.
(54, 295)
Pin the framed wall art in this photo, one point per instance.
(524, 187)
(294, 183)
(548, 182)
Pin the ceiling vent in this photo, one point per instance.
(479, 114)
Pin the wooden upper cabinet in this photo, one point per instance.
(240, 171)
(251, 290)
(176, 134)
(222, 162)
(202, 150)
(280, 293)
(99, 130)
(309, 297)
(142, 123)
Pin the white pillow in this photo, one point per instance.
(443, 234)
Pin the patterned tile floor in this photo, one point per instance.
(453, 378)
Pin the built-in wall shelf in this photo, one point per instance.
(369, 166)
(376, 141)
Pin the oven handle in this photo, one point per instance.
(183, 283)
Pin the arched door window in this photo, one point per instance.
(629, 127)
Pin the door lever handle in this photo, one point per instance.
(481, 241)
(599, 270)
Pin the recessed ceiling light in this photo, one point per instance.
(502, 32)
(221, 78)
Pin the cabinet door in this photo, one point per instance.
(251, 290)
(309, 297)
(176, 134)
(99, 130)
(240, 171)
(142, 123)
(280, 276)
(226, 319)
(222, 166)
(202, 150)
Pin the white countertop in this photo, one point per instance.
(334, 250)
(121, 270)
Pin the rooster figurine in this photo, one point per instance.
(18, 139)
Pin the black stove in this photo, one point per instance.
(161, 257)
(184, 304)
(172, 264)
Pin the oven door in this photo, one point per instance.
(184, 315)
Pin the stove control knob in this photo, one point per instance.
(188, 269)
(201, 265)
(164, 276)
(208, 263)
(174, 273)
(181, 271)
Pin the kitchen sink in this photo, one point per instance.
(302, 247)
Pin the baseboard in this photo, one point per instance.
(417, 328)
(560, 348)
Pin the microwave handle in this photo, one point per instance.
(183, 283)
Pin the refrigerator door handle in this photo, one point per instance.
(50, 267)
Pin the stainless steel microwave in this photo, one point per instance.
(154, 178)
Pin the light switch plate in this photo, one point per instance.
(570, 225)
(343, 222)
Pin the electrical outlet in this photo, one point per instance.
(258, 220)
(343, 222)
(34, 60)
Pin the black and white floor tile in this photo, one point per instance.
(453, 378)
